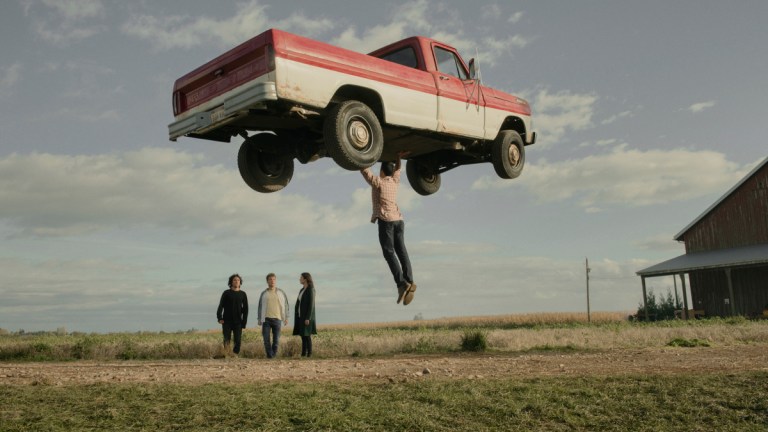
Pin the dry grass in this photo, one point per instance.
(501, 321)
(503, 333)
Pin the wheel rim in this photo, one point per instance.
(359, 134)
(427, 175)
(513, 155)
(271, 166)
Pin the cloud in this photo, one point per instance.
(421, 17)
(701, 106)
(558, 113)
(86, 91)
(250, 19)
(56, 195)
(613, 118)
(628, 177)
(411, 16)
(515, 17)
(9, 77)
(62, 22)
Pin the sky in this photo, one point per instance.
(646, 113)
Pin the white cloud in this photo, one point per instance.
(613, 118)
(515, 17)
(56, 195)
(250, 19)
(701, 106)
(628, 177)
(76, 9)
(410, 16)
(10, 76)
(558, 113)
(62, 22)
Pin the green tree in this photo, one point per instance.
(662, 308)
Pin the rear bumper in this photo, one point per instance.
(224, 109)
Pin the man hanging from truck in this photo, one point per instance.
(391, 226)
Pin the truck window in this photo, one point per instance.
(405, 56)
(449, 63)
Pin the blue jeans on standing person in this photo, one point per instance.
(273, 326)
(392, 240)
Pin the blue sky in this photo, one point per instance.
(646, 114)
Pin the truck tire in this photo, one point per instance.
(508, 154)
(353, 136)
(423, 179)
(261, 170)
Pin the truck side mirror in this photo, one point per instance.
(472, 71)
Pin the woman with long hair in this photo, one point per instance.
(304, 318)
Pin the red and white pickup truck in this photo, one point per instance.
(291, 97)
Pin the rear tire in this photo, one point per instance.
(422, 177)
(264, 171)
(353, 136)
(508, 154)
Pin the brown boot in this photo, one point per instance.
(409, 293)
(401, 290)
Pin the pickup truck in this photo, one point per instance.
(293, 98)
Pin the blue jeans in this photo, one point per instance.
(271, 325)
(392, 240)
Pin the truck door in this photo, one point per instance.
(460, 106)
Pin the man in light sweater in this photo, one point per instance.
(273, 314)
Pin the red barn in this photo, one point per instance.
(726, 252)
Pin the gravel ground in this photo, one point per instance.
(399, 368)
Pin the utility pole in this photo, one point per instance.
(589, 314)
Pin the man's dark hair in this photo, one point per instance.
(271, 275)
(388, 168)
(232, 277)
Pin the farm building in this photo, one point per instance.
(726, 253)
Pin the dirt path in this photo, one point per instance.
(399, 368)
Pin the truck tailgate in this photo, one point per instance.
(232, 69)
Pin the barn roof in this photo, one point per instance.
(679, 236)
(740, 256)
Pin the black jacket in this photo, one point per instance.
(233, 308)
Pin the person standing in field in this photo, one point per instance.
(273, 314)
(304, 314)
(232, 312)
(391, 226)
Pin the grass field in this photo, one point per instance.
(655, 400)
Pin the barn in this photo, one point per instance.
(726, 253)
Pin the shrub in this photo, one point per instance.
(687, 343)
(474, 340)
(662, 308)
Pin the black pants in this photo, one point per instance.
(306, 346)
(229, 329)
(392, 240)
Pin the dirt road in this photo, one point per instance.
(399, 368)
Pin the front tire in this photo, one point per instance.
(353, 136)
(423, 178)
(508, 154)
(263, 171)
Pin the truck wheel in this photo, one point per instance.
(508, 154)
(422, 177)
(263, 171)
(353, 136)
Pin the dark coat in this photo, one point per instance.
(305, 307)
(233, 308)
